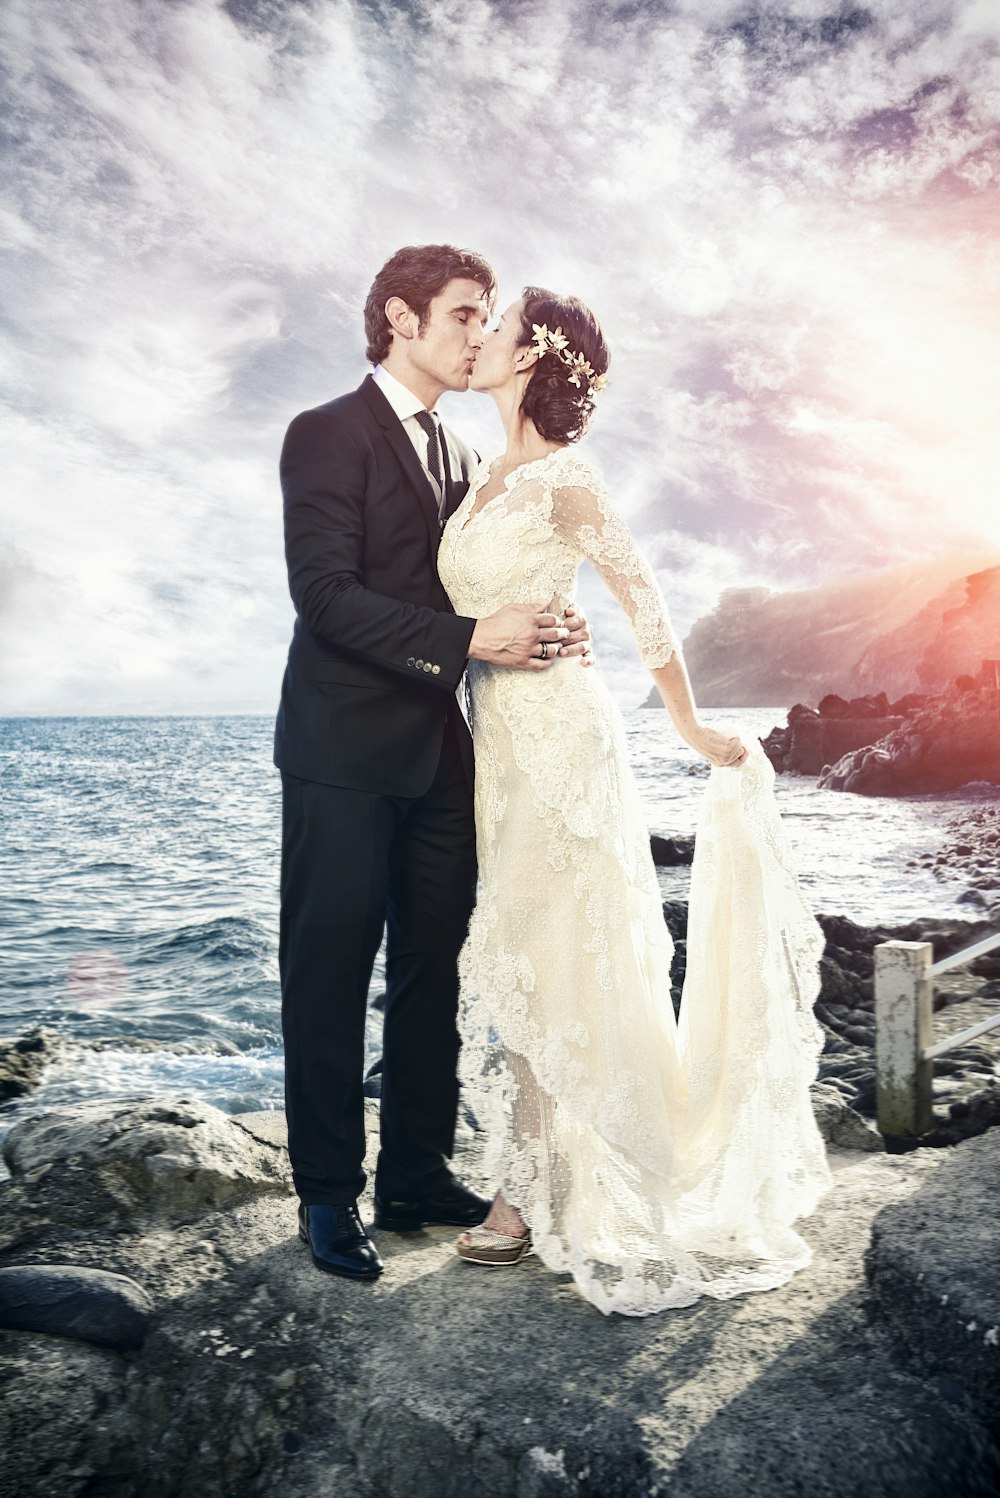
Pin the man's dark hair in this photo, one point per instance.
(418, 273)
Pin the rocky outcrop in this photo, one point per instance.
(669, 852)
(814, 737)
(259, 1376)
(23, 1060)
(129, 1163)
(901, 629)
(958, 625)
(949, 742)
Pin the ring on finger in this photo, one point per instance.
(545, 650)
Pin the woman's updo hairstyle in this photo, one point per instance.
(560, 409)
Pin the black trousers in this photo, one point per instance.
(352, 865)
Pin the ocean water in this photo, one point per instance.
(139, 887)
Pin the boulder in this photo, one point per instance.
(832, 706)
(69, 1300)
(163, 1157)
(668, 852)
(22, 1061)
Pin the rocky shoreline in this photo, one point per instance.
(162, 1330)
(920, 744)
(166, 1333)
(967, 1080)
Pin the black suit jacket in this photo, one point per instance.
(377, 651)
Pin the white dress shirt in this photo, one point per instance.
(406, 405)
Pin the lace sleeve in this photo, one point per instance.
(583, 514)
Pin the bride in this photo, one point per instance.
(654, 1159)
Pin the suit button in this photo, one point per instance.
(411, 661)
(427, 666)
(436, 670)
(419, 665)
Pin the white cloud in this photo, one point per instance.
(781, 217)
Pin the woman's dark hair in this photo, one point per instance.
(418, 273)
(559, 410)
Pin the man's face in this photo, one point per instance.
(453, 335)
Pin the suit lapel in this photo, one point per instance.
(404, 450)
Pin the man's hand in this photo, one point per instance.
(521, 635)
(577, 642)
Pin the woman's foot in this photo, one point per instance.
(502, 1238)
(503, 1218)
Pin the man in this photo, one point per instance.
(376, 762)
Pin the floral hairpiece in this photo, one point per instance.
(557, 343)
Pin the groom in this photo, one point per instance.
(376, 762)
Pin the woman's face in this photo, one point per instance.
(494, 365)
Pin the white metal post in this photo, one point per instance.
(903, 1029)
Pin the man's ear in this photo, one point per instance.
(401, 317)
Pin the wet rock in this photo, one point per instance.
(668, 852)
(22, 1061)
(68, 1300)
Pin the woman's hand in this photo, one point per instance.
(722, 749)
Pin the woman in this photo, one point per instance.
(654, 1160)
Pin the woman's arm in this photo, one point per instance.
(583, 513)
(674, 687)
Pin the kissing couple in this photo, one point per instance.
(654, 1157)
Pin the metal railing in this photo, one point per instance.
(904, 1045)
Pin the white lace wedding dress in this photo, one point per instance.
(655, 1160)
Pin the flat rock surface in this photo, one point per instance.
(934, 1268)
(261, 1376)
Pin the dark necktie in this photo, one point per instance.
(436, 461)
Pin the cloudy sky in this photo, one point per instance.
(785, 215)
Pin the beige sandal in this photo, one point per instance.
(487, 1246)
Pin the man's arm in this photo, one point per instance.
(323, 474)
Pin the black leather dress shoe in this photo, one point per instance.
(454, 1205)
(338, 1242)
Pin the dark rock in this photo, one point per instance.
(372, 1086)
(67, 1300)
(949, 742)
(675, 913)
(22, 1061)
(832, 706)
(912, 702)
(875, 705)
(668, 852)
